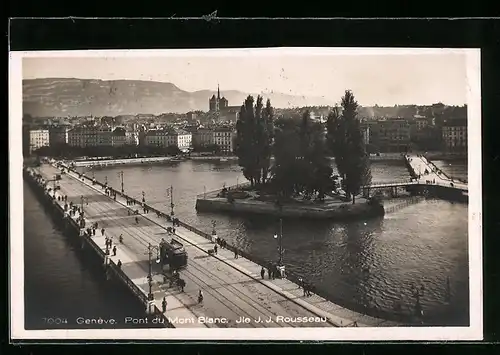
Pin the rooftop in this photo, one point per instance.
(457, 122)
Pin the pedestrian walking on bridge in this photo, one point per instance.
(102, 232)
(119, 264)
(215, 249)
(114, 250)
(262, 272)
(200, 296)
(164, 305)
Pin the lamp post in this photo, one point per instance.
(214, 232)
(151, 249)
(204, 192)
(121, 175)
(54, 185)
(106, 181)
(237, 181)
(93, 177)
(143, 197)
(171, 193)
(279, 236)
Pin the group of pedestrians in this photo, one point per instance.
(223, 244)
(110, 192)
(306, 287)
(176, 222)
(131, 202)
(109, 244)
(272, 272)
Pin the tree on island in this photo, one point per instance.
(254, 134)
(345, 139)
(301, 164)
(287, 151)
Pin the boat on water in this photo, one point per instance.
(223, 160)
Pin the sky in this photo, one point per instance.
(382, 79)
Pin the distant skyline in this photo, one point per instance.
(384, 80)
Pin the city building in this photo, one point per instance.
(104, 136)
(118, 137)
(83, 136)
(38, 138)
(166, 137)
(192, 115)
(184, 139)
(203, 137)
(223, 137)
(131, 137)
(156, 137)
(58, 135)
(390, 135)
(454, 133)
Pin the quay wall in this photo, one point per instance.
(72, 230)
(342, 212)
(128, 161)
(291, 276)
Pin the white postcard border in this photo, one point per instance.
(16, 208)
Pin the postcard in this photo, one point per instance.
(246, 194)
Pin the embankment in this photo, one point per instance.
(337, 211)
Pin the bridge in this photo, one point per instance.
(403, 183)
(423, 171)
(233, 287)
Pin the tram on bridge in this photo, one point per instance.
(173, 255)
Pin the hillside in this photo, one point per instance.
(82, 97)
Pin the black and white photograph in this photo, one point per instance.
(250, 194)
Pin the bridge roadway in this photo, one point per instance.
(232, 287)
(419, 164)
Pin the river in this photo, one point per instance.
(422, 244)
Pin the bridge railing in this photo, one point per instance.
(390, 183)
(232, 187)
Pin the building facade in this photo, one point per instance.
(223, 137)
(132, 137)
(166, 137)
(83, 136)
(58, 135)
(454, 133)
(203, 137)
(118, 137)
(104, 136)
(184, 139)
(38, 138)
(390, 135)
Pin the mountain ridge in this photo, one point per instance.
(82, 97)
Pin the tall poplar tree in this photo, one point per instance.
(345, 139)
(254, 133)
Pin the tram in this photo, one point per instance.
(173, 255)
